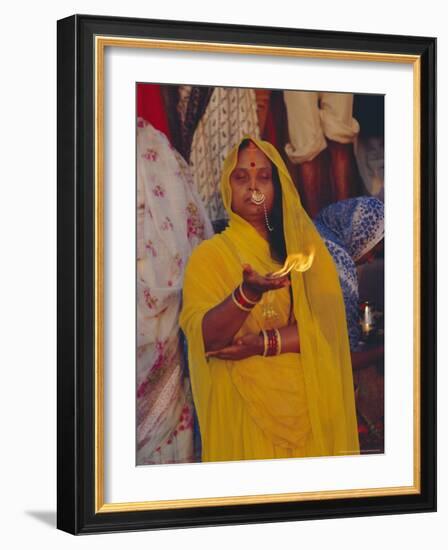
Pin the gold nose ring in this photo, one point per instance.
(258, 197)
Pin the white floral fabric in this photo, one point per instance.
(171, 221)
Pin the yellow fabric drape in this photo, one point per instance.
(294, 404)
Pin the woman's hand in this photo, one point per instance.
(241, 347)
(254, 284)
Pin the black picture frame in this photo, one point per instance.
(76, 474)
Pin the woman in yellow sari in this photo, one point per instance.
(269, 356)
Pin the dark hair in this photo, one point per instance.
(276, 237)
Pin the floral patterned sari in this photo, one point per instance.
(171, 222)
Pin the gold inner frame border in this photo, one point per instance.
(101, 42)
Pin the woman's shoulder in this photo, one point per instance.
(208, 251)
(344, 262)
(206, 246)
(207, 271)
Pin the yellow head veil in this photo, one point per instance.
(320, 313)
(318, 308)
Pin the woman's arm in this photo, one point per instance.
(290, 339)
(253, 344)
(222, 322)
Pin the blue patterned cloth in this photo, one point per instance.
(351, 228)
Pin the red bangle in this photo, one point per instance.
(254, 302)
(271, 342)
(240, 301)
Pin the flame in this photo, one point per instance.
(296, 262)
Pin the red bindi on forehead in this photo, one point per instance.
(253, 159)
(252, 149)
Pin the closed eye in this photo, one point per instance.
(240, 176)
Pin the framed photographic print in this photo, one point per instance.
(246, 274)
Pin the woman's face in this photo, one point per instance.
(370, 256)
(252, 171)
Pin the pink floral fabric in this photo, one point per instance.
(171, 221)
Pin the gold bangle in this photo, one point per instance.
(279, 341)
(265, 342)
(235, 301)
(245, 297)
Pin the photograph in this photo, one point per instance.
(259, 273)
(246, 274)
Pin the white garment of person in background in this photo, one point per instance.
(315, 116)
(171, 222)
(369, 154)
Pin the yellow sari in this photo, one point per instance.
(290, 405)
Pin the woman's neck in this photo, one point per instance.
(240, 224)
(261, 229)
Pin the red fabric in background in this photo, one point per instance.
(270, 131)
(276, 126)
(151, 107)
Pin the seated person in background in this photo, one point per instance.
(353, 231)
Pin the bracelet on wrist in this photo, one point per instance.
(241, 301)
(254, 302)
(265, 342)
(272, 342)
(279, 341)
